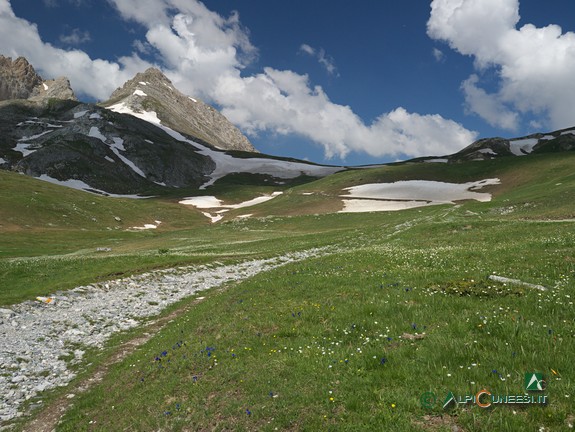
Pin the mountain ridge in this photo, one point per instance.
(152, 91)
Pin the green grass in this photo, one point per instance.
(348, 341)
(326, 344)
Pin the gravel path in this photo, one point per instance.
(39, 341)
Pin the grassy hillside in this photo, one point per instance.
(348, 341)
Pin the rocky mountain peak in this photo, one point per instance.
(152, 91)
(19, 80)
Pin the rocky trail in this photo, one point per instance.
(42, 341)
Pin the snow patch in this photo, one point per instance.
(109, 159)
(572, 132)
(95, 133)
(411, 193)
(437, 160)
(213, 219)
(155, 225)
(94, 116)
(206, 202)
(45, 86)
(24, 149)
(80, 114)
(192, 99)
(117, 147)
(3, 161)
(523, 146)
(28, 138)
(211, 202)
(80, 185)
(487, 151)
(367, 205)
(143, 83)
(139, 92)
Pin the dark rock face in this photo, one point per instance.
(69, 141)
(153, 91)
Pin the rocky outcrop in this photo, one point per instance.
(58, 88)
(153, 91)
(19, 80)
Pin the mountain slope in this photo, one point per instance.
(490, 148)
(153, 91)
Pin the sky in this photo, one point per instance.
(330, 81)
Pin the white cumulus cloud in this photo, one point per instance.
(535, 66)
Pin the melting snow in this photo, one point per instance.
(205, 202)
(523, 146)
(95, 116)
(95, 133)
(437, 160)
(572, 131)
(28, 138)
(226, 164)
(80, 114)
(45, 86)
(411, 193)
(23, 148)
(362, 206)
(116, 147)
(80, 185)
(211, 202)
(487, 151)
(119, 146)
(139, 92)
(3, 161)
(147, 226)
(214, 219)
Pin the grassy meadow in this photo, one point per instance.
(371, 336)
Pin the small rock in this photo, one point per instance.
(6, 312)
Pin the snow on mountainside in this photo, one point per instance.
(227, 164)
(153, 91)
(489, 148)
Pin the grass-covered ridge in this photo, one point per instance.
(348, 341)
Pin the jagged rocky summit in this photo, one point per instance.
(152, 91)
(19, 80)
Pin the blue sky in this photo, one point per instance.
(330, 81)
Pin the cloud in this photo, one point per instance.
(438, 54)
(487, 106)
(284, 102)
(76, 37)
(326, 61)
(206, 54)
(535, 66)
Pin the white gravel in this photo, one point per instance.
(35, 336)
